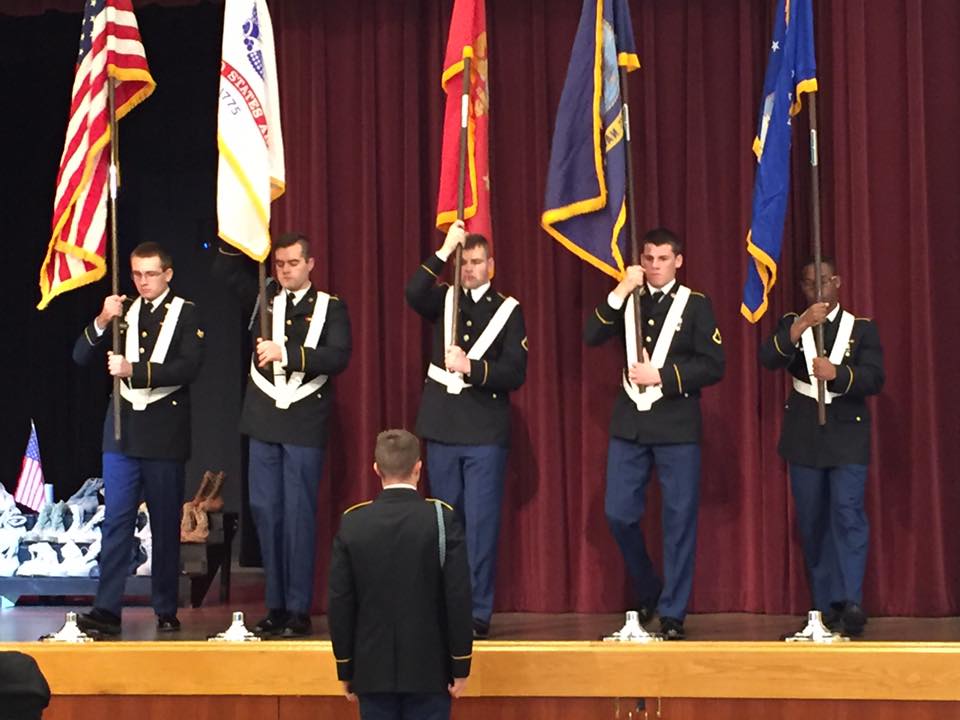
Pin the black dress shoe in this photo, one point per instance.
(672, 629)
(646, 612)
(481, 629)
(272, 624)
(100, 622)
(854, 618)
(167, 623)
(297, 625)
(833, 616)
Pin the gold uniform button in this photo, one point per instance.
(173, 402)
(289, 322)
(466, 338)
(858, 418)
(489, 299)
(650, 322)
(648, 339)
(142, 351)
(469, 323)
(494, 396)
(143, 334)
(285, 338)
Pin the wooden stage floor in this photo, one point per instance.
(729, 657)
(27, 623)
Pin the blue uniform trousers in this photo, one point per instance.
(404, 706)
(284, 480)
(833, 529)
(470, 479)
(160, 483)
(678, 469)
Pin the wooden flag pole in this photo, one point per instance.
(461, 180)
(262, 302)
(815, 241)
(631, 215)
(114, 183)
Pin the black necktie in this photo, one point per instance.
(656, 296)
(292, 299)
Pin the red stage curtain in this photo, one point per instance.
(362, 109)
(362, 112)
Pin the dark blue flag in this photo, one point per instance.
(585, 206)
(791, 71)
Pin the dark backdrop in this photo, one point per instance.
(362, 111)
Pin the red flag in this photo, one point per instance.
(110, 47)
(468, 37)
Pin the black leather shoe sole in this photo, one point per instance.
(270, 625)
(93, 624)
(646, 613)
(672, 629)
(168, 624)
(481, 630)
(297, 627)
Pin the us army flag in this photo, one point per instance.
(251, 170)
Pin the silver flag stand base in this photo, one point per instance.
(816, 632)
(69, 633)
(632, 631)
(237, 632)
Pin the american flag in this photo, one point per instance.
(29, 490)
(110, 47)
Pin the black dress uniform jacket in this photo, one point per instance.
(695, 360)
(400, 623)
(304, 423)
(480, 415)
(162, 430)
(845, 439)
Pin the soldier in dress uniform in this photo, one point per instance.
(399, 598)
(828, 464)
(656, 420)
(162, 353)
(286, 409)
(465, 409)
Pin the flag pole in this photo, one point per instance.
(461, 181)
(262, 302)
(114, 182)
(631, 215)
(817, 251)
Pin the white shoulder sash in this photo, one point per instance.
(645, 398)
(139, 398)
(287, 391)
(840, 343)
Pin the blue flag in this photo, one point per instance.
(791, 71)
(585, 206)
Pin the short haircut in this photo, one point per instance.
(824, 260)
(397, 453)
(663, 236)
(476, 240)
(152, 249)
(289, 239)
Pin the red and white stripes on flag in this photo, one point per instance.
(110, 47)
(29, 490)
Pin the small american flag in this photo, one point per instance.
(30, 485)
(110, 47)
